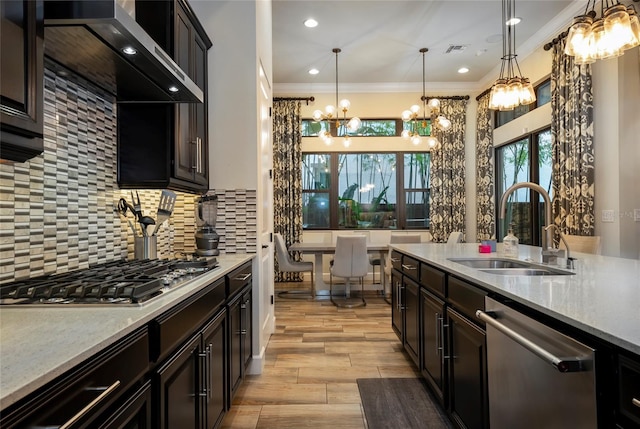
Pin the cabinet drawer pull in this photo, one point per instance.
(394, 260)
(241, 279)
(91, 405)
(635, 402)
(243, 332)
(409, 267)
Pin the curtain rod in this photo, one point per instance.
(451, 97)
(305, 99)
(483, 93)
(556, 40)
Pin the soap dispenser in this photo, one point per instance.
(510, 244)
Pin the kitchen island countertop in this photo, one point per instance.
(38, 344)
(601, 299)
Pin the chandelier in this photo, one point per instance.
(590, 39)
(332, 113)
(431, 110)
(510, 90)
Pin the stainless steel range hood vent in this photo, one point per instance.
(90, 39)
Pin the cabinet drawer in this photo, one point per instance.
(629, 389)
(410, 267)
(396, 260)
(433, 279)
(237, 279)
(466, 298)
(96, 384)
(179, 323)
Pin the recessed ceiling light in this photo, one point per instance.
(129, 50)
(463, 70)
(311, 23)
(173, 88)
(513, 21)
(314, 71)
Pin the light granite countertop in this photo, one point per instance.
(602, 298)
(38, 344)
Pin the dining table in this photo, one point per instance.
(328, 248)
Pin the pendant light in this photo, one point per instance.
(332, 113)
(617, 30)
(510, 89)
(431, 110)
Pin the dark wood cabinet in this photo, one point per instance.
(397, 304)
(468, 399)
(135, 413)
(433, 343)
(22, 74)
(191, 383)
(166, 145)
(240, 338)
(178, 388)
(628, 408)
(412, 320)
(104, 388)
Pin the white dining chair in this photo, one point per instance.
(455, 237)
(582, 244)
(287, 264)
(350, 261)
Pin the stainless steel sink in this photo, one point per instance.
(490, 263)
(527, 272)
(510, 267)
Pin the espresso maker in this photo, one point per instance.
(206, 237)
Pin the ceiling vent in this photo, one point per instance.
(455, 49)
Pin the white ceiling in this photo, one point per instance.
(381, 39)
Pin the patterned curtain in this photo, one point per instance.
(572, 144)
(447, 196)
(485, 192)
(287, 178)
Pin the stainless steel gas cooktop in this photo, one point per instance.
(111, 283)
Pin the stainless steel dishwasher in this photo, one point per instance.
(537, 377)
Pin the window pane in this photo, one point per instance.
(311, 128)
(315, 210)
(544, 161)
(366, 190)
(417, 209)
(316, 173)
(543, 93)
(513, 165)
(416, 170)
(422, 127)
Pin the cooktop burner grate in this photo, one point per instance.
(116, 282)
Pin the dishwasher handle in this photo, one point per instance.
(562, 364)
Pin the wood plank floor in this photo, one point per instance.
(312, 363)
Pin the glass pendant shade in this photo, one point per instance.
(578, 38)
(406, 115)
(330, 110)
(416, 140)
(606, 37)
(634, 22)
(345, 104)
(405, 134)
(432, 142)
(354, 124)
(618, 26)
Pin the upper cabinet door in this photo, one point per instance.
(21, 71)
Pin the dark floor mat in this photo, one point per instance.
(392, 403)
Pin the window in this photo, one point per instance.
(316, 183)
(365, 190)
(416, 189)
(525, 160)
(543, 96)
(369, 128)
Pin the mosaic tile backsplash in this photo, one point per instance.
(57, 211)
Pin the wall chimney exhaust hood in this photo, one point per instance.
(101, 41)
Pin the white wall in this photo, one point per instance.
(233, 126)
